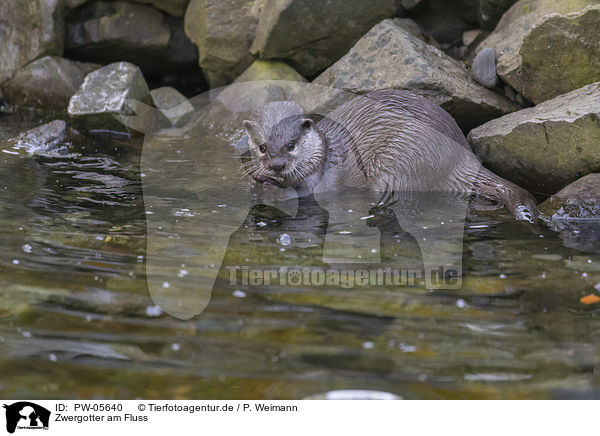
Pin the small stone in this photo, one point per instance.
(269, 70)
(103, 96)
(172, 105)
(484, 68)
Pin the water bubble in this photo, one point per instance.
(27, 248)
(26, 334)
(239, 294)
(52, 357)
(502, 276)
(460, 303)
(368, 345)
(166, 285)
(16, 261)
(182, 273)
(175, 346)
(153, 311)
(285, 239)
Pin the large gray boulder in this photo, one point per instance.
(46, 83)
(389, 56)
(104, 94)
(546, 48)
(29, 30)
(574, 211)
(545, 147)
(106, 32)
(312, 34)
(223, 30)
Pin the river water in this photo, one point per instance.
(78, 320)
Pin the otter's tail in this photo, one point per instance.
(516, 199)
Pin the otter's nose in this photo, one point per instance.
(277, 166)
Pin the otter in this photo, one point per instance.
(387, 141)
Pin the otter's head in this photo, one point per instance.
(285, 144)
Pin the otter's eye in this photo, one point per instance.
(262, 148)
(291, 146)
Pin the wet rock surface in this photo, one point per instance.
(545, 147)
(574, 211)
(27, 33)
(388, 56)
(545, 48)
(104, 94)
(39, 140)
(223, 31)
(46, 83)
(313, 34)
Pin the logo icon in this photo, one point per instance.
(26, 415)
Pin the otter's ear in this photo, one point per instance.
(307, 123)
(250, 128)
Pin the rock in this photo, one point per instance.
(28, 32)
(39, 140)
(579, 200)
(172, 105)
(575, 212)
(46, 83)
(269, 70)
(443, 20)
(470, 36)
(486, 13)
(171, 7)
(390, 57)
(223, 30)
(411, 4)
(107, 32)
(104, 94)
(313, 34)
(545, 147)
(484, 68)
(545, 48)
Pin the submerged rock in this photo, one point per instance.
(546, 48)
(172, 105)
(484, 68)
(106, 32)
(46, 83)
(39, 140)
(269, 70)
(104, 94)
(223, 30)
(574, 211)
(28, 31)
(313, 34)
(545, 147)
(389, 56)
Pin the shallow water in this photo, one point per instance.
(77, 319)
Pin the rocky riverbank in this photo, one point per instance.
(523, 77)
